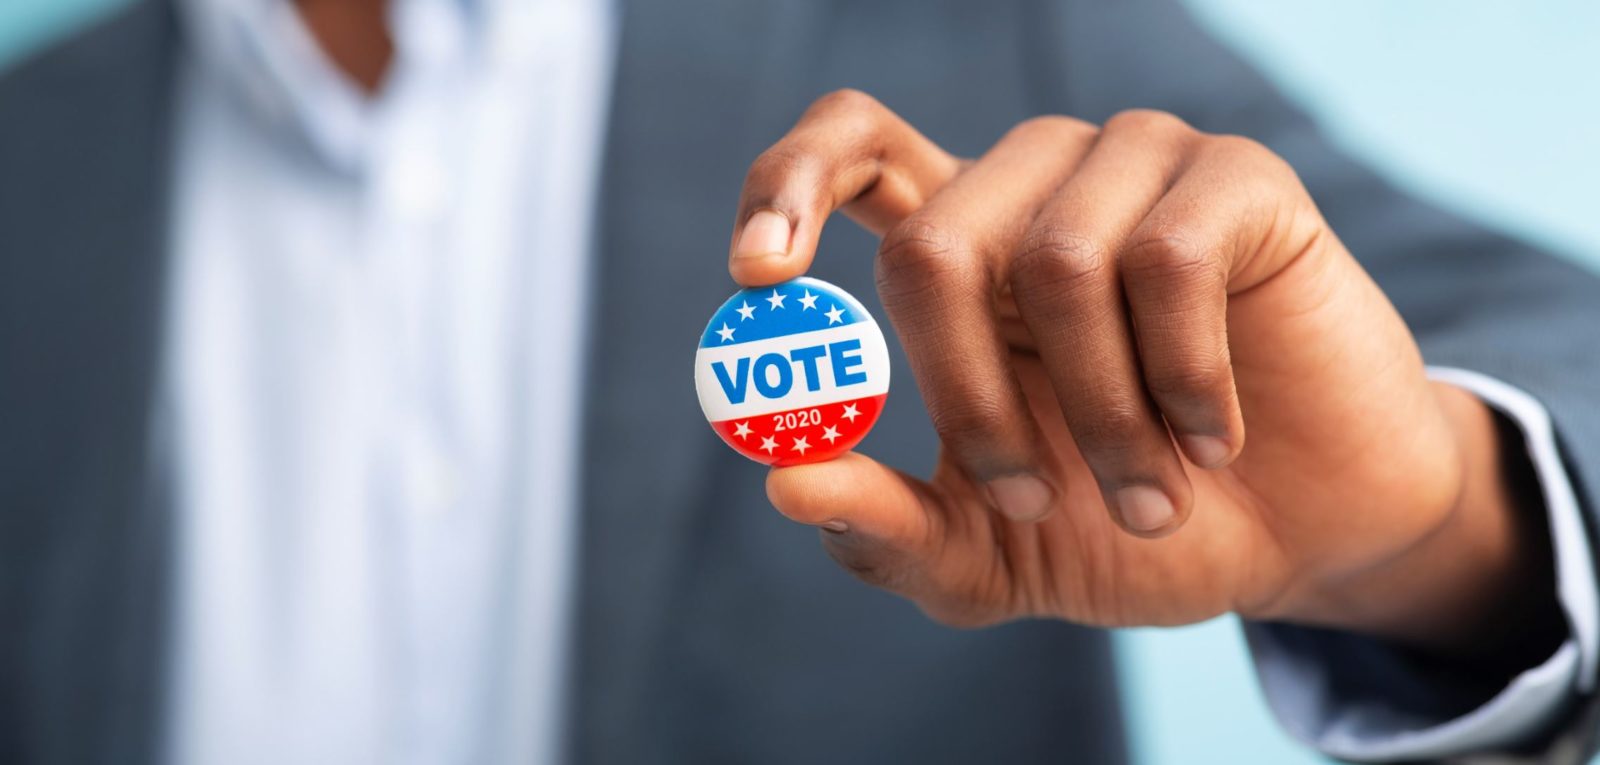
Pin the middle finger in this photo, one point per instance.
(1068, 292)
(937, 274)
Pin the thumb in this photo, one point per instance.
(881, 525)
(854, 495)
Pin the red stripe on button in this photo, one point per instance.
(802, 436)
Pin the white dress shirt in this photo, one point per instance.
(373, 382)
(375, 333)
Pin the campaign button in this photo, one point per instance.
(792, 373)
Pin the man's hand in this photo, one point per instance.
(1096, 316)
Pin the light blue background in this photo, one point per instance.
(1488, 107)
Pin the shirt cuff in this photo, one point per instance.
(1356, 699)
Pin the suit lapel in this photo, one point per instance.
(700, 89)
(84, 537)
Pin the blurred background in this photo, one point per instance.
(1484, 106)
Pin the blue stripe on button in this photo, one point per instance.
(792, 318)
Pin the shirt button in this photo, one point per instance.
(415, 187)
(792, 373)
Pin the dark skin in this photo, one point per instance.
(355, 36)
(1096, 315)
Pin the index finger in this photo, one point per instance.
(848, 152)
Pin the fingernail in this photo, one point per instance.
(766, 233)
(835, 526)
(1206, 451)
(1144, 508)
(1021, 497)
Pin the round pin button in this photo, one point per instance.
(792, 373)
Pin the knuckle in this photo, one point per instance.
(1056, 257)
(846, 118)
(845, 100)
(1172, 256)
(920, 255)
(967, 418)
(1257, 176)
(1148, 122)
(1250, 156)
(1237, 147)
(1053, 126)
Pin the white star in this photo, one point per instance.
(833, 316)
(742, 430)
(776, 300)
(768, 444)
(800, 445)
(850, 412)
(809, 301)
(727, 334)
(746, 311)
(830, 433)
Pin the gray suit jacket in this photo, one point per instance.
(709, 628)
